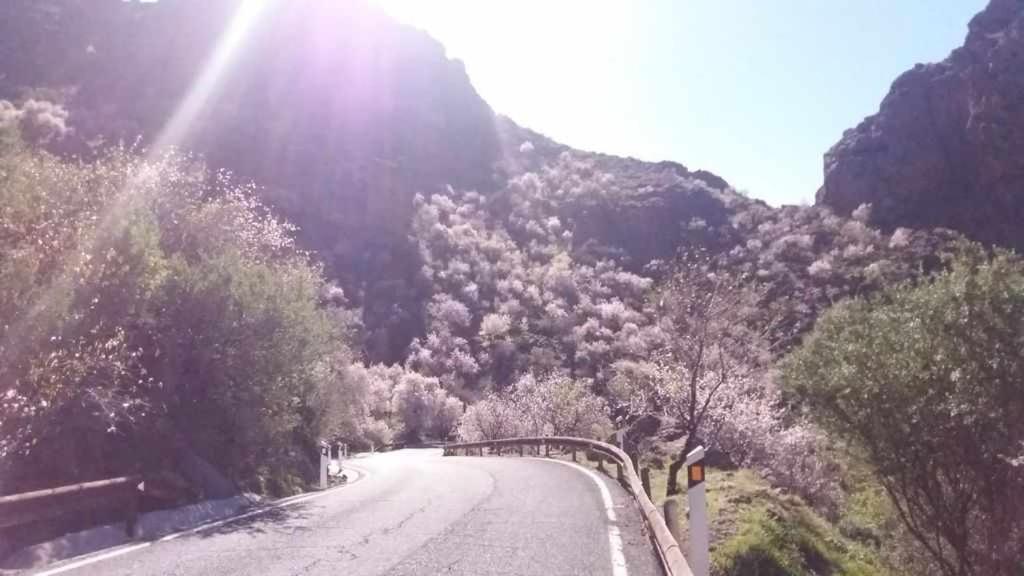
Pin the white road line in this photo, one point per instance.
(94, 559)
(139, 546)
(614, 536)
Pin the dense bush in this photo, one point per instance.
(423, 408)
(554, 405)
(400, 404)
(808, 258)
(926, 381)
(151, 310)
(509, 298)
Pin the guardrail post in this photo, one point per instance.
(645, 480)
(573, 454)
(547, 449)
(131, 518)
(672, 519)
(697, 498)
(520, 449)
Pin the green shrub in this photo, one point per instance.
(146, 304)
(927, 382)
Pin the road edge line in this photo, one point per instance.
(99, 556)
(615, 546)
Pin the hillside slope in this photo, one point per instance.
(342, 116)
(339, 113)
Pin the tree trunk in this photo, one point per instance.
(673, 474)
(672, 487)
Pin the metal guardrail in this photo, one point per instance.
(665, 544)
(29, 507)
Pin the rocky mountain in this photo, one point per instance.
(944, 149)
(342, 116)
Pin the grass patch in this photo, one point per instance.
(758, 531)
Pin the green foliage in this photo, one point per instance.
(927, 381)
(243, 347)
(867, 515)
(146, 304)
(787, 539)
(756, 529)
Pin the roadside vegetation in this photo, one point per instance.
(858, 391)
(925, 383)
(156, 316)
(153, 313)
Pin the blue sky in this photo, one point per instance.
(753, 90)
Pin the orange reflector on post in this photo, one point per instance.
(696, 474)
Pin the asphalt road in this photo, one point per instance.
(417, 513)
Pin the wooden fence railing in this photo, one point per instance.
(115, 493)
(664, 543)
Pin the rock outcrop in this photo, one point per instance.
(946, 148)
(651, 210)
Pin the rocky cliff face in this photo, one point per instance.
(946, 148)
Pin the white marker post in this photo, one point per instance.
(325, 457)
(696, 497)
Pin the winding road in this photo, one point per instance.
(414, 512)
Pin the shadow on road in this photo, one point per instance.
(283, 520)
